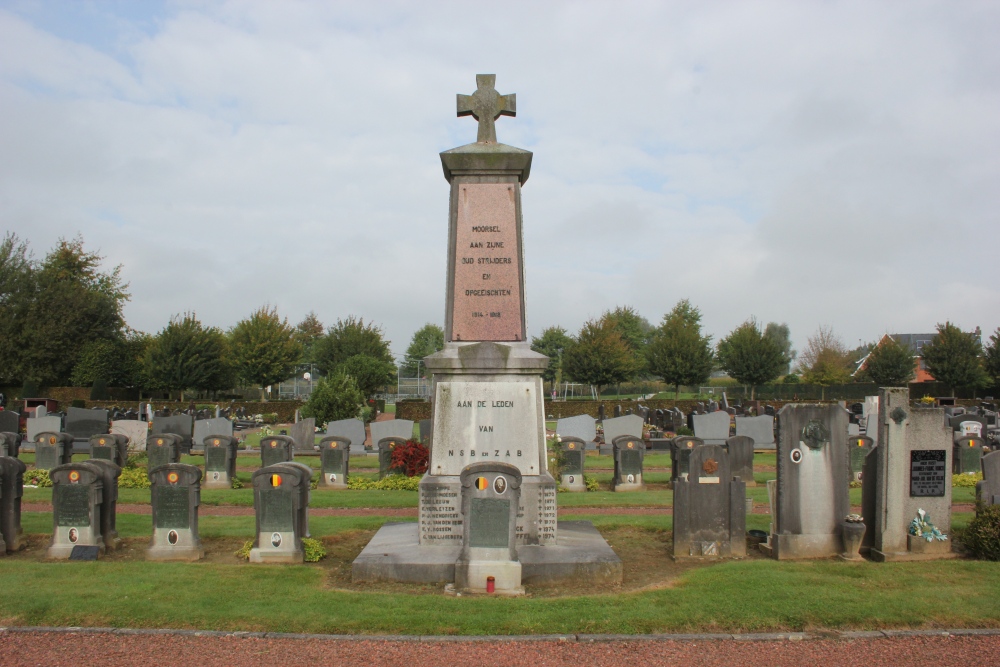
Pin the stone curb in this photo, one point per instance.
(846, 635)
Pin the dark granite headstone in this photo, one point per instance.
(425, 431)
(181, 425)
(11, 490)
(334, 456)
(709, 508)
(162, 449)
(10, 444)
(859, 446)
(385, 447)
(175, 496)
(988, 490)
(81, 423)
(869, 487)
(491, 495)
(276, 449)
(573, 455)
(281, 500)
(967, 454)
(680, 454)
(110, 473)
(77, 494)
(53, 449)
(9, 421)
(110, 447)
(220, 461)
(740, 450)
(628, 452)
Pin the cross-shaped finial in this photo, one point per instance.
(486, 105)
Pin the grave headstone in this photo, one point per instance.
(204, 428)
(988, 490)
(278, 504)
(181, 425)
(713, 427)
(110, 472)
(110, 447)
(968, 451)
(813, 472)
(136, 432)
(583, 427)
(47, 424)
(913, 476)
(680, 455)
(617, 412)
(81, 423)
(761, 429)
(385, 447)
(491, 495)
(709, 508)
(175, 495)
(630, 425)
(601, 412)
(77, 494)
(10, 421)
(11, 490)
(220, 461)
(424, 427)
(276, 449)
(629, 453)
(853, 429)
(10, 444)
(869, 477)
(53, 449)
(162, 449)
(859, 446)
(740, 451)
(334, 456)
(392, 428)
(573, 455)
(352, 429)
(303, 432)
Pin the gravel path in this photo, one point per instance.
(50, 648)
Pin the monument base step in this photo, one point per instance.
(901, 556)
(580, 554)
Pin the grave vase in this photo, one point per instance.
(854, 533)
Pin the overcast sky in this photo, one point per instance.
(815, 163)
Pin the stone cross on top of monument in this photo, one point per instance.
(486, 105)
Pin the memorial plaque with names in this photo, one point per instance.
(215, 458)
(46, 457)
(489, 523)
(276, 512)
(332, 459)
(486, 304)
(927, 472)
(72, 503)
(573, 462)
(631, 462)
(172, 507)
(102, 452)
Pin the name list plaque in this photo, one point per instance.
(486, 304)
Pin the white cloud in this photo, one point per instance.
(815, 163)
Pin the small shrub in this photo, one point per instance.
(244, 551)
(36, 477)
(314, 549)
(139, 459)
(966, 479)
(684, 430)
(592, 483)
(237, 484)
(387, 483)
(133, 478)
(333, 398)
(410, 458)
(982, 537)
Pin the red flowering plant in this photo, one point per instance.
(410, 458)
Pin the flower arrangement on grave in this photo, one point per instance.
(922, 527)
(854, 518)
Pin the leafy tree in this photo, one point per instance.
(953, 357)
(750, 356)
(306, 333)
(600, 356)
(17, 289)
(426, 340)
(553, 343)
(117, 363)
(635, 331)
(677, 351)
(825, 360)
(348, 338)
(370, 373)
(187, 355)
(264, 349)
(991, 358)
(334, 397)
(889, 364)
(781, 335)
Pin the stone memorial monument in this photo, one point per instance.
(629, 453)
(175, 496)
(709, 508)
(133, 429)
(77, 494)
(401, 429)
(162, 449)
(180, 425)
(334, 457)
(281, 501)
(761, 429)
(859, 446)
(912, 479)
(10, 444)
(353, 430)
(811, 501)
(968, 453)
(204, 428)
(491, 494)
(582, 427)
(52, 449)
(630, 425)
(220, 461)
(988, 490)
(303, 432)
(82, 423)
(110, 472)
(712, 428)
(110, 447)
(487, 397)
(385, 447)
(740, 450)
(276, 449)
(680, 454)
(573, 454)
(10, 421)
(11, 490)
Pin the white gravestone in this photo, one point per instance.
(47, 424)
(393, 428)
(352, 429)
(761, 429)
(135, 431)
(580, 426)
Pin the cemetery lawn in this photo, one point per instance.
(659, 595)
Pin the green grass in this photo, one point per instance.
(738, 596)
